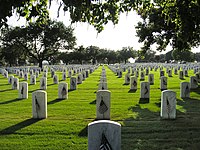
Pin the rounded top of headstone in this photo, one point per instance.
(103, 91)
(168, 91)
(41, 91)
(104, 122)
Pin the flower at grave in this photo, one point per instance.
(64, 91)
(102, 107)
(105, 145)
(146, 90)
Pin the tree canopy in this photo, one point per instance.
(39, 43)
(175, 22)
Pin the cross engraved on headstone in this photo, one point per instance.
(105, 145)
(102, 107)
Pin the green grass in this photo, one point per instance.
(66, 125)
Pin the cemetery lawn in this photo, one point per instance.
(66, 125)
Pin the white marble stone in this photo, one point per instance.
(169, 73)
(79, 78)
(23, 90)
(151, 79)
(127, 78)
(133, 83)
(15, 84)
(185, 90)
(33, 79)
(10, 79)
(181, 75)
(168, 104)
(103, 104)
(103, 86)
(43, 83)
(163, 83)
(73, 83)
(104, 135)
(142, 76)
(26, 76)
(103, 79)
(193, 82)
(64, 76)
(39, 104)
(144, 90)
(63, 90)
(55, 79)
(162, 73)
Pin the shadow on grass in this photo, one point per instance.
(12, 101)
(4, 84)
(6, 90)
(144, 100)
(190, 105)
(197, 90)
(84, 131)
(33, 90)
(56, 101)
(132, 91)
(71, 90)
(126, 83)
(51, 84)
(19, 126)
(93, 102)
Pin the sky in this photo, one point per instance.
(113, 37)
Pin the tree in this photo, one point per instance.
(41, 43)
(92, 53)
(175, 22)
(79, 54)
(126, 53)
(183, 55)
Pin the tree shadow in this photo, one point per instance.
(4, 84)
(56, 101)
(197, 90)
(11, 101)
(132, 90)
(126, 83)
(71, 90)
(12, 129)
(6, 90)
(144, 100)
(190, 105)
(93, 102)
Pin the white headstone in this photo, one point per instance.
(134, 83)
(39, 104)
(43, 83)
(15, 84)
(181, 75)
(63, 90)
(103, 104)
(55, 79)
(151, 79)
(142, 76)
(33, 79)
(73, 83)
(103, 86)
(23, 90)
(185, 90)
(104, 135)
(168, 104)
(163, 83)
(79, 78)
(193, 82)
(26, 76)
(144, 90)
(64, 76)
(10, 79)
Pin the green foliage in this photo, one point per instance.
(39, 43)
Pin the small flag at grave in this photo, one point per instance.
(102, 107)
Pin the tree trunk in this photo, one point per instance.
(40, 63)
